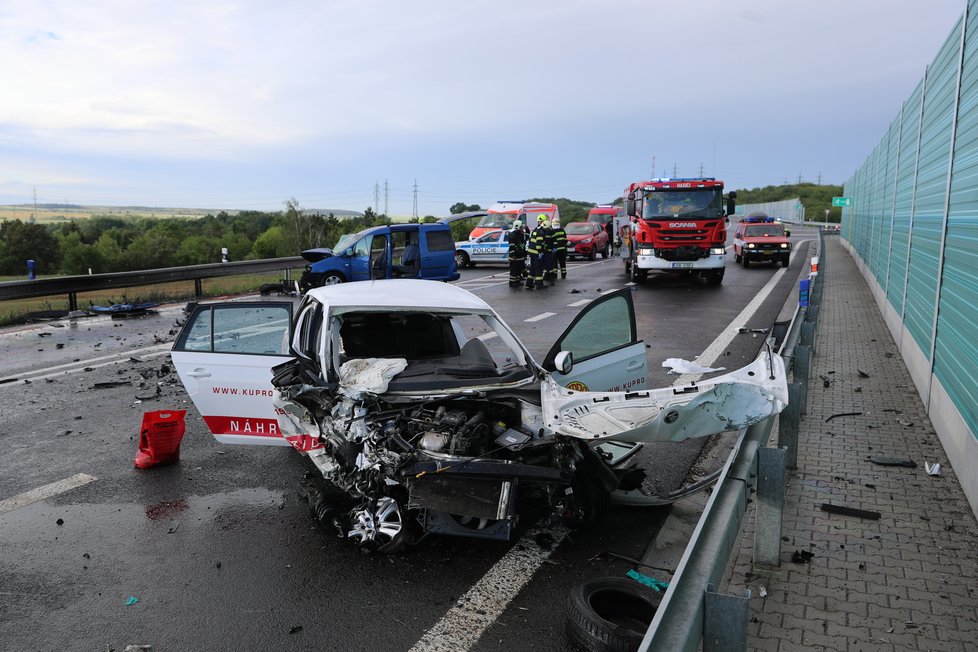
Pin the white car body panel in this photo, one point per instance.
(729, 402)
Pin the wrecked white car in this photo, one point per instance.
(425, 414)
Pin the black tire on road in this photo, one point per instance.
(331, 278)
(745, 261)
(785, 260)
(714, 277)
(461, 259)
(606, 252)
(610, 614)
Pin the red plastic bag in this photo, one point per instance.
(159, 438)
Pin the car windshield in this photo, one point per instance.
(763, 229)
(578, 228)
(497, 221)
(345, 242)
(685, 203)
(600, 218)
(444, 351)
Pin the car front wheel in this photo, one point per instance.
(332, 278)
(461, 259)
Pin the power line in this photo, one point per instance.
(386, 196)
(376, 198)
(415, 215)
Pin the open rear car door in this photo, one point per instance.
(224, 356)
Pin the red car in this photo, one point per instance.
(587, 239)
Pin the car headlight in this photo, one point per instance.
(587, 241)
(785, 245)
(645, 252)
(750, 245)
(717, 251)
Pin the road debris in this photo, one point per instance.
(802, 556)
(651, 582)
(826, 381)
(842, 414)
(850, 511)
(932, 469)
(892, 461)
(105, 384)
(862, 374)
(131, 600)
(680, 366)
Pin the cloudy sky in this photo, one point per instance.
(244, 104)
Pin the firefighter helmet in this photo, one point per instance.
(541, 218)
(517, 225)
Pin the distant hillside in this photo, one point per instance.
(814, 198)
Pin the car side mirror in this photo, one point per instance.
(787, 234)
(348, 253)
(564, 362)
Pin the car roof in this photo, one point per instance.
(398, 293)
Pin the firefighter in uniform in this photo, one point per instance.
(560, 248)
(550, 254)
(536, 250)
(517, 255)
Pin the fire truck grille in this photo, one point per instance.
(683, 253)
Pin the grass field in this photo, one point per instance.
(64, 214)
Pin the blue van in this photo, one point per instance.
(425, 251)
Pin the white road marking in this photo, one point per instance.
(542, 315)
(608, 291)
(47, 491)
(76, 367)
(577, 304)
(473, 613)
(713, 351)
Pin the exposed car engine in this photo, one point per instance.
(398, 471)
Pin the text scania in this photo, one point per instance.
(682, 225)
(243, 391)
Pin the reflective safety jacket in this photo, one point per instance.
(560, 239)
(538, 241)
(517, 244)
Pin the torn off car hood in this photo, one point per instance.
(729, 402)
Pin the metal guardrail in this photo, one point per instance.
(692, 613)
(72, 285)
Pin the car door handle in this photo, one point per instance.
(199, 373)
(633, 365)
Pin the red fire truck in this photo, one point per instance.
(677, 225)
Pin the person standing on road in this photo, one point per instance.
(560, 248)
(536, 249)
(517, 255)
(549, 249)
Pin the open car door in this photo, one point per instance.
(224, 356)
(607, 354)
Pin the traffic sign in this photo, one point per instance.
(841, 201)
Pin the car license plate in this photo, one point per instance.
(767, 253)
(682, 265)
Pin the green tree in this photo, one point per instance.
(273, 243)
(23, 241)
(462, 207)
(77, 257)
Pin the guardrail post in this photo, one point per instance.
(198, 288)
(807, 337)
(725, 621)
(770, 506)
(788, 422)
(72, 301)
(802, 357)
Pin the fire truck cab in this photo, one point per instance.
(677, 226)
